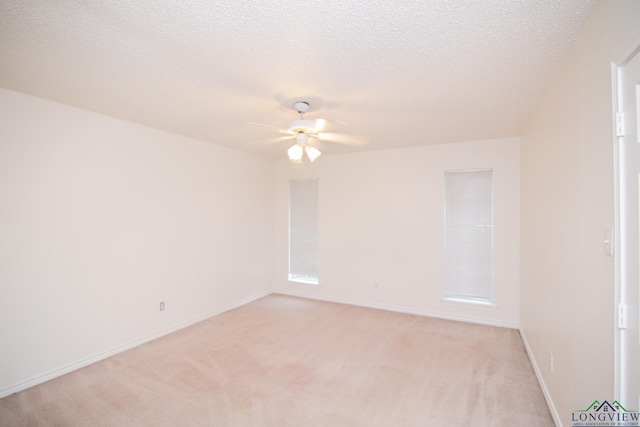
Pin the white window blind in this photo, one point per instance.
(303, 231)
(469, 235)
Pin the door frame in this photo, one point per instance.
(621, 60)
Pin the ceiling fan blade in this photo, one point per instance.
(328, 125)
(270, 140)
(267, 126)
(319, 125)
(342, 138)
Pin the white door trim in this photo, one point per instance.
(619, 62)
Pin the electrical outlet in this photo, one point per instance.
(550, 361)
(161, 305)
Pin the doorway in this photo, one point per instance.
(627, 159)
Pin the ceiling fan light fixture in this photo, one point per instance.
(312, 152)
(295, 153)
(302, 138)
(305, 130)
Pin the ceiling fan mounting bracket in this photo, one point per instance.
(301, 107)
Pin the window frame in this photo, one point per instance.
(303, 278)
(459, 297)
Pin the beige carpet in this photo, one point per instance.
(284, 361)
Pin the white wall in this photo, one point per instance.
(382, 220)
(567, 297)
(102, 219)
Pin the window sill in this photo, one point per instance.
(482, 305)
(304, 282)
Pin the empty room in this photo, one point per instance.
(319, 213)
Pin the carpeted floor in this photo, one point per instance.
(284, 361)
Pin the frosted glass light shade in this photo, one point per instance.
(312, 152)
(295, 153)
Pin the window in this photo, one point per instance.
(469, 236)
(303, 231)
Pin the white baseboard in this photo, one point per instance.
(400, 309)
(545, 391)
(121, 348)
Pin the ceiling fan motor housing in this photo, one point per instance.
(301, 125)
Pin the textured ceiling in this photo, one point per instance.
(398, 73)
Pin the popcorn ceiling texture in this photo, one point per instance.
(399, 73)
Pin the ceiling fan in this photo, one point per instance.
(303, 130)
